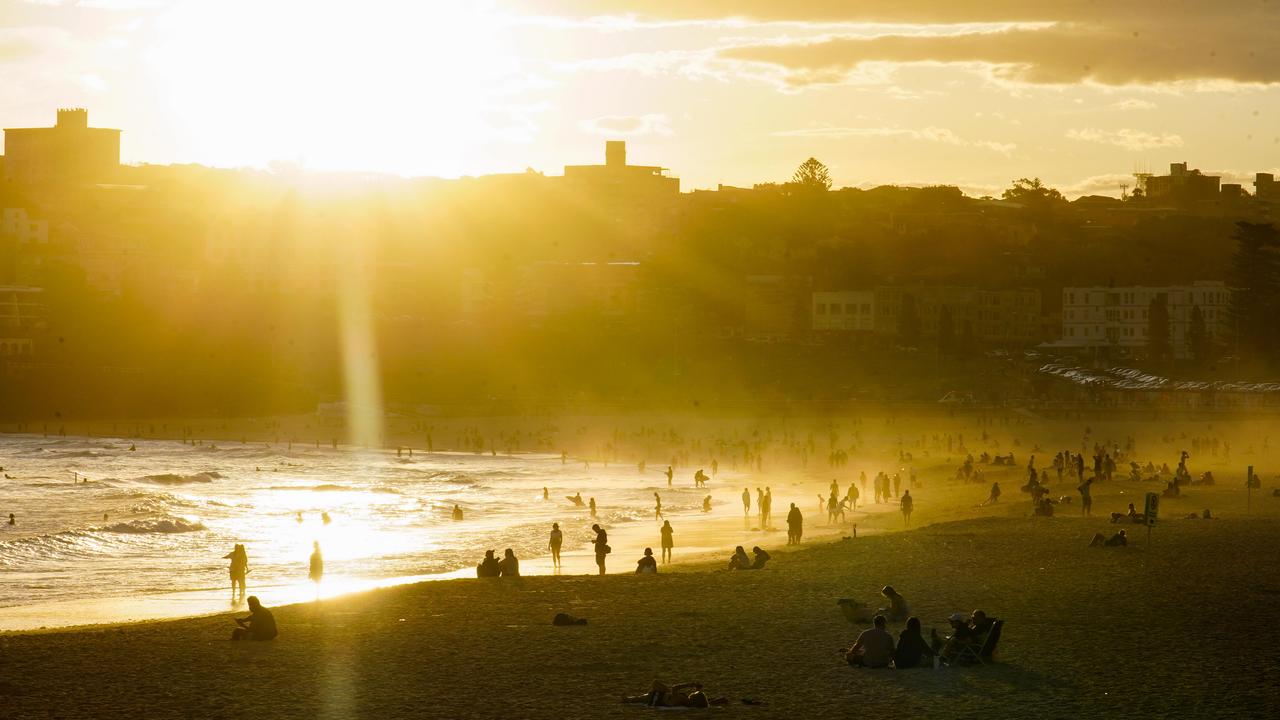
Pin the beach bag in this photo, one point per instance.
(607, 549)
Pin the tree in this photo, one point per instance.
(908, 322)
(1035, 196)
(1198, 336)
(946, 332)
(1255, 283)
(812, 175)
(1158, 347)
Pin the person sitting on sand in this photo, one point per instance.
(1120, 539)
(873, 648)
(260, 625)
(647, 565)
(898, 609)
(509, 566)
(912, 650)
(686, 695)
(960, 633)
(1134, 515)
(760, 558)
(706, 504)
(740, 559)
(489, 567)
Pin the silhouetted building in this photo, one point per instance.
(68, 152)
(995, 317)
(1181, 185)
(1266, 188)
(15, 223)
(22, 316)
(620, 183)
(1119, 317)
(844, 310)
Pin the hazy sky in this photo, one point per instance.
(721, 91)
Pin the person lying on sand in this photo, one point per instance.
(688, 695)
(260, 625)
(873, 648)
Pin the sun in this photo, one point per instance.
(401, 87)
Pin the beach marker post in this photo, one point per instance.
(1248, 498)
(1150, 511)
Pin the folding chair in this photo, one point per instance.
(979, 649)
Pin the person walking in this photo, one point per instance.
(557, 539)
(907, 504)
(316, 571)
(795, 525)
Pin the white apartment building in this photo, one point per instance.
(15, 222)
(1117, 317)
(844, 310)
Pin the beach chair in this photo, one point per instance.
(980, 649)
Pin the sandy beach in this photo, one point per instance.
(483, 649)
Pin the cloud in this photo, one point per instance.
(929, 134)
(1134, 104)
(1126, 138)
(629, 125)
(1136, 42)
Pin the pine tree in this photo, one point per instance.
(1198, 336)
(812, 175)
(1158, 347)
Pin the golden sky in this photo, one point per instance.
(1078, 92)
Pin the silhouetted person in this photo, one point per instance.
(239, 567)
(795, 525)
(873, 648)
(647, 565)
(324, 518)
(316, 573)
(898, 609)
(994, 497)
(457, 512)
(557, 539)
(577, 500)
(592, 505)
(667, 542)
(12, 520)
(706, 504)
(657, 506)
(298, 518)
(489, 567)
(546, 495)
(740, 560)
(601, 546)
(907, 504)
(670, 474)
(912, 648)
(758, 558)
(746, 501)
(509, 566)
(260, 625)
(1086, 497)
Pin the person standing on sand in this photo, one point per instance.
(852, 496)
(768, 505)
(746, 501)
(715, 468)
(897, 484)
(657, 506)
(760, 505)
(557, 539)
(667, 542)
(601, 545)
(316, 573)
(862, 478)
(907, 505)
(1086, 497)
(795, 525)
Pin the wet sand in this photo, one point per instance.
(1186, 625)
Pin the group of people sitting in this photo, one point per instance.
(876, 648)
(741, 561)
(491, 566)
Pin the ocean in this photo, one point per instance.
(108, 524)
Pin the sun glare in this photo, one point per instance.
(385, 86)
